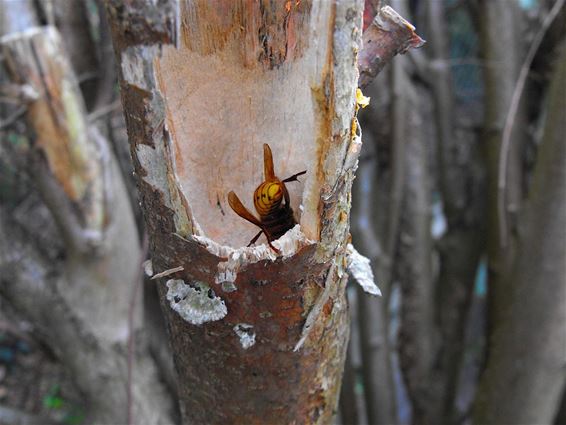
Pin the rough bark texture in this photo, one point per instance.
(257, 338)
(525, 372)
(86, 290)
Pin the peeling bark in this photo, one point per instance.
(388, 35)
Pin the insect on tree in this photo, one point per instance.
(271, 201)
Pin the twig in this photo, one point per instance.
(513, 107)
(131, 337)
(168, 272)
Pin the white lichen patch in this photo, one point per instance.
(360, 269)
(288, 245)
(196, 305)
(246, 334)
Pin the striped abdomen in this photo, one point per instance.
(276, 215)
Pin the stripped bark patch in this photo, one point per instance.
(360, 269)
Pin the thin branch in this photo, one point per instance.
(168, 272)
(513, 107)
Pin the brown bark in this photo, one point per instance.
(86, 293)
(525, 375)
(235, 76)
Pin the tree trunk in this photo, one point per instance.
(525, 375)
(86, 290)
(257, 337)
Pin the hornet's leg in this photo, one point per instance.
(255, 238)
